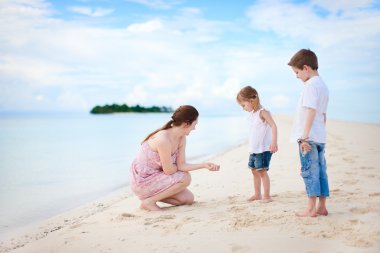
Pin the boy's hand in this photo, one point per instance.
(305, 148)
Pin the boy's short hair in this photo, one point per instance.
(304, 57)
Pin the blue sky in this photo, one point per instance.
(73, 55)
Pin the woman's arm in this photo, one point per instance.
(164, 149)
(183, 166)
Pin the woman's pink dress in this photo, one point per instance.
(147, 176)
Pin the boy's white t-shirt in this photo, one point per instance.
(260, 133)
(315, 95)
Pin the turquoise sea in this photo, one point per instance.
(50, 163)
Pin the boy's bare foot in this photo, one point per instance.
(323, 212)
(150, 206)
(267, 199)
(306, 213)
(254, 197)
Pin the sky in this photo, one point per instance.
(72, 55)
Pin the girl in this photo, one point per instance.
(160, 172)
(262, 141)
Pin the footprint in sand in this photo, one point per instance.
(233, 199)
(349, 159)
(374, 194)
(360, 210)
(219, 216)
(76, 226)
(150, 221)
(237, 209)
(239, 248)
(366, 168)
(371, 175)
(190, 219)
(125, 216)
(354, 222)
(351, 181)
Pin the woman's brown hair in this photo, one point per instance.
(248, 93)
(184, 114)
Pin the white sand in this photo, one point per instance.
(222, 220)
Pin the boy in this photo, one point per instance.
(310, 131)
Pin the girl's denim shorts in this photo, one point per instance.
(259, 161)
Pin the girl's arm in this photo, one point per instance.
(183, 166)
(265, 115)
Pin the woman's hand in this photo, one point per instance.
(212, 166)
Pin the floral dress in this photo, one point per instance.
(147, 176)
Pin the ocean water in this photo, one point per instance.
(50, 163)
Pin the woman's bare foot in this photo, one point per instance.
(149, 206)
(323, 212)
(254, 197)
(306, 213)
(267, 199)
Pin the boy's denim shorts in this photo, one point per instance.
(313, 170)
(259, 161)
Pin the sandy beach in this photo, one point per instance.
(222, 220)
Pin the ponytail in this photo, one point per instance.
(168, 125)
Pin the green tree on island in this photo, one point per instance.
(115, 108)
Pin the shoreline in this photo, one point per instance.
(115, 223)
(106, 197)
(57, 186)
(42, 228)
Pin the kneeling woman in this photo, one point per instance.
(160, 172)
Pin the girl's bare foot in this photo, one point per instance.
(149, 206)
(306, 213)
(254, 197)
(323, 212)
(267, 199)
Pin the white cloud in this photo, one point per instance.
(149, 26)
(342, 5)
(39, 97)
(157, 4)
(26, 8)
(177, 59)
(92, 12)
(228, 89)
(303, 21)
(36, 72)
(137, 96)
(72, 101)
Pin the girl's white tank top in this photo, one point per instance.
(260, 133)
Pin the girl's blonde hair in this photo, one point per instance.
(249, 94)
(184, 114)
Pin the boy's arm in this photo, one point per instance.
(310, 116)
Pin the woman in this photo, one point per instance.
(160, 172)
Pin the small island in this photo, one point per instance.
(115, 108)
